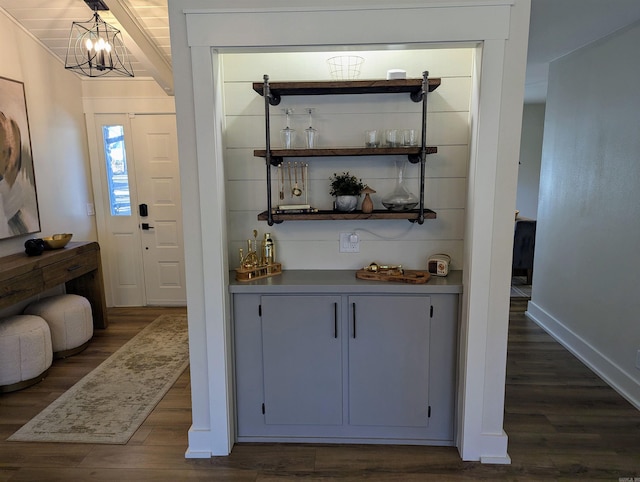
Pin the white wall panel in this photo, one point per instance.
(343, 130)
(341, 121)
(450, 161)
(313, 65)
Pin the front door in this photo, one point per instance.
(155, 148)
(142, 234)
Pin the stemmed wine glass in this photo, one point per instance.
(311, 134)
(288, 135)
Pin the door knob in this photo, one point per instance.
(146, 226)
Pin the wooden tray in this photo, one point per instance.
(407, 276)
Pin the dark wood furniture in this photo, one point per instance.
(524, 246)
(77, 265)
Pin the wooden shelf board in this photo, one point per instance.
(336, 215)
(347, 87)
(344, 151)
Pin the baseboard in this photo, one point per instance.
(506, 460)
(486, 448)
(192, 454)
(199, 444)
(600, 364)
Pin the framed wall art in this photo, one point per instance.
(18, 198)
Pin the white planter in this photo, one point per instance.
(346, 203)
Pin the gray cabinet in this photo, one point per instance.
(303, 375)
(302, 360)
(389, 360)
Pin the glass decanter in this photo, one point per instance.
(400, 199)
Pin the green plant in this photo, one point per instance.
(345, 185)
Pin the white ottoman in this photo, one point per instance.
(25, 351)
(69, 319)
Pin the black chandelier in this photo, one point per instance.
(96, 48)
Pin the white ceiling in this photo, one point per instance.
(557, 28)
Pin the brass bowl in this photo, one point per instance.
(57, 241)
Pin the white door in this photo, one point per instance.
(143, 254)
(155, 150)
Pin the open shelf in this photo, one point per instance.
(412, 86)
(346, 151)
(411, 215)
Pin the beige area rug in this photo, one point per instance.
(109, 404)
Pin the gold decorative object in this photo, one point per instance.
(253, 267)
(57, 241)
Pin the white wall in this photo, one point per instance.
(58, 140)
(585, 286)
(341, 121)
(530, 160)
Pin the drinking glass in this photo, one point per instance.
(409, 138)
(311, 134)
(371, 138)
(288, 135)
(392, 138)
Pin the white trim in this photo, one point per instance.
(126, 105)
(616, 376)
(496, 460)
(409, 26)
(340, 7)
(198, 438)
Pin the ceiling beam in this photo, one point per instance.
(142, 47)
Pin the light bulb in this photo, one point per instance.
(88, 44)
(100, 44)
(107, 47)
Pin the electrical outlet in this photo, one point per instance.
(349, 243)
(91, 211)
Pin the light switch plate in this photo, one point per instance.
(349, 243)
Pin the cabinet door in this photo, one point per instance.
(389, 360)
(302, 360)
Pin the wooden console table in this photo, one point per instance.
(77, 265)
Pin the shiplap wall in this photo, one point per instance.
(341, 121)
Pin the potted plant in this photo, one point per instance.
(346, 188)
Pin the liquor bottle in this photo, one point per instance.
(268, 250)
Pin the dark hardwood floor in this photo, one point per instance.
(563, 423)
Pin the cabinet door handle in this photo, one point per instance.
(335, 320)
(353, 305)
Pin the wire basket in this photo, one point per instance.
(345, 67)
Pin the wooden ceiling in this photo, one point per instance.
(144, 23)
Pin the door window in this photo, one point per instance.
(116, 167)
